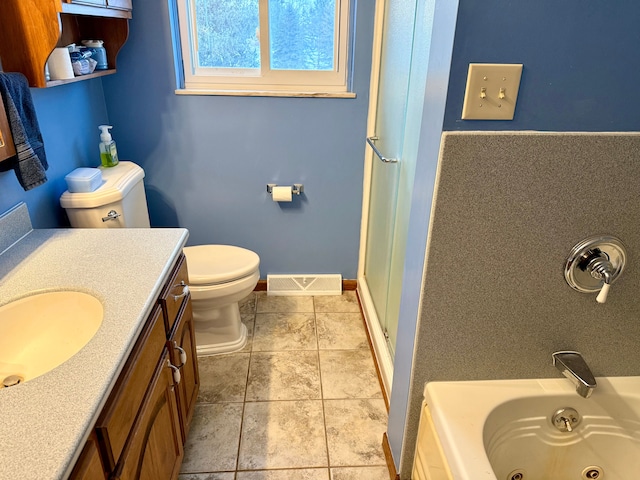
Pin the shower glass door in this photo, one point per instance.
(391, 183)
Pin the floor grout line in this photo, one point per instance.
(251, 352)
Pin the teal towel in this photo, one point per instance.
(30, 161)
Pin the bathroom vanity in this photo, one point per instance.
(116, 408)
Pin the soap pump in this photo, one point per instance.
(108, 151)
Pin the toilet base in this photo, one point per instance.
(218, 330)
(226, 347)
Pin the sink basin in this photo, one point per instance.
(40, 332)
(503, 429)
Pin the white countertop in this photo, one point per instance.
(45, 421)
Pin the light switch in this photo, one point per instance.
(492, 91)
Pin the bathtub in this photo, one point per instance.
(504, 429)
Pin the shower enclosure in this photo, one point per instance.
(397, 93)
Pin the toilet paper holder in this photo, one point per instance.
(296, 188)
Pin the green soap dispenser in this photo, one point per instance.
(108, 151)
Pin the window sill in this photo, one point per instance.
(265, 93)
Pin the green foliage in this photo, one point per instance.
(301, 34)
(227, 32)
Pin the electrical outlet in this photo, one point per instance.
(492, 91)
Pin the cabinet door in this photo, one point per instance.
(183, 340)
(121, 4)
(87, 2)
(89, 465)
(154, 449)
(118, 416)
(7, 148)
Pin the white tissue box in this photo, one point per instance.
(84, 180)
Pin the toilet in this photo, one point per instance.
(219, 275)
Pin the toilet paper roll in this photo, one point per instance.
(60, 64)
(282, 194)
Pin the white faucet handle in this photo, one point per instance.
(602, 296)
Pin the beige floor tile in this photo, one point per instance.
(348, 374)
(354, 432)
(212, 444)
(341, 331)
(208, 476)
(281, 304)
(223, 378)
(305, 474)
(282, 435)
(347, 302)
(284, 331)
(360, 473)
(248, 304)
(283, 376)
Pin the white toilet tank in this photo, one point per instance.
(122, 191)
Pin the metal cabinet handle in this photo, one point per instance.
(1, 139)
(185, 291)
(183, 354)
(370, 141)
(176, 372)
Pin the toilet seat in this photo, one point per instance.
(219, 264)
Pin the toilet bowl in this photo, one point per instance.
(219, 275)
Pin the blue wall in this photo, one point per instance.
(208, 159)
(68, 116)
(580, 62)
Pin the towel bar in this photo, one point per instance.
(370, 141)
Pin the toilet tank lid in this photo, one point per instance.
(116, 183)
(212, 264)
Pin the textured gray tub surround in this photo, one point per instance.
(508, 209)
(45, 422)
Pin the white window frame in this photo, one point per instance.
(263, 80)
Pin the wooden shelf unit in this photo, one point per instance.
(31, 29)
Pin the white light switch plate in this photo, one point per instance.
(492, 91)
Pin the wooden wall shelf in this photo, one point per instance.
(31, 29)
(95, 74)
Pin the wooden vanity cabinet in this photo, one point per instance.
(31, 29)
(89, 465)
(7, 147)
(141, 431)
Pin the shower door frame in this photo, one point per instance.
(378, 338)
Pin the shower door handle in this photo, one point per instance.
(371, 142)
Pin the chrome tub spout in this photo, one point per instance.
(573, 366)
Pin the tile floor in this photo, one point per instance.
(301, 401)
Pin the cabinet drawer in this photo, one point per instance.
(154, 450)
(117, 418)
(174, 295)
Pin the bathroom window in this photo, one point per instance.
(278, 46)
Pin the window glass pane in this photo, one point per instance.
(301, 34)
(228, 33)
